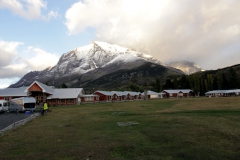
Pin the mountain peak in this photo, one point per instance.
(114, 48)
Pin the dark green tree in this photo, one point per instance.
(175, 82)
(225, 83)
(203, 89)
(219, 79)
(215, 84)
(210, 81)
(233, 79)
(206, 85)
(168, 84)
(136, 88)
(184, 83)
(64, 86)
(158, 86)
(196, 83)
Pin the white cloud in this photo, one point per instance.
(200, 30)
(8, 51)
(15, 64)
(29, 9)
(42, 60)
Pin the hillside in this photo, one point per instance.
(138, 79)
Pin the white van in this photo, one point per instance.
(3, 105)
(22, 104)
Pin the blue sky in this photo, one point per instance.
(34, 34)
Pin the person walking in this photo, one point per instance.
(45, 108)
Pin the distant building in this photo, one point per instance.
(91, 98)
(154, 95)
(223, 93)
(178, 93)
(118, 95)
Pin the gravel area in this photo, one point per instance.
(7, 118)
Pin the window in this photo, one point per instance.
(89, 98)
(70, 100)
(61, 100)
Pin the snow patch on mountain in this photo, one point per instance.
(123, 59)
(112, 48)
(82, 52)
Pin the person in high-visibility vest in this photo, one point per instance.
(45, 107)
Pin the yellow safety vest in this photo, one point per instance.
(45, 106)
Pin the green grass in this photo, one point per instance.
(188, 128)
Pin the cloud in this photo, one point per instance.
(42, 60)
(8, 51)
(28, 9)
(15, 63)
(201, 31)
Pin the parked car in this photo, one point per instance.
(22, 104)
(3, 105)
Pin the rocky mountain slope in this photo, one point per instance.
(85, 65)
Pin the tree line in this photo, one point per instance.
(202, 82)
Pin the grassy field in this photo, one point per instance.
(189, 128)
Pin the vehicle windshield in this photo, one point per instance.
(29, 105)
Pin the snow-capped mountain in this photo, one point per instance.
(96, 55)
(91, 62)
(186, 66)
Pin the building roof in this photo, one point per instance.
(120, 93)
(233, 91)
(89, 95)
(178, 91)
(13, 92)
(45, 88)
(223, 91)
(66, 93)
(107, 93)
(133, 93)
(149, 92)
